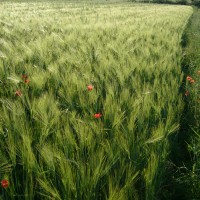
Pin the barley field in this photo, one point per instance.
(89, 96)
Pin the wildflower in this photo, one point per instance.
(18, 93)
(26, 81)
(90, 87)
(189, 78)
(186, 93)
(97, 115)
(4, 183)
(192, 81)
(24, 76)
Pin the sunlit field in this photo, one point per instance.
(89, 95)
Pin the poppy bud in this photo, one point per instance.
(4, 183)
(24, 76)
(26, 81)
(189, 78)
(97, 115)
(18, 93)
(90, 87)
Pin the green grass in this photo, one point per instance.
(187, 175)
(52, 147)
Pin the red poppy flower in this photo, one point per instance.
(186, 93)
(4, 183)
(97, 115)
(90, 87)
(192, 81)
(18, 93)
(26, 81)
(24, 76)
(189, 78)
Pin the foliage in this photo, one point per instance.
(187, 175)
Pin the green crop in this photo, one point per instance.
(51, 144)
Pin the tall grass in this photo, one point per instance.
(187, 174)
(52, 147)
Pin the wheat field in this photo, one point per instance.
(89, 96)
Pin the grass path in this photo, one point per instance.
(186, 146)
